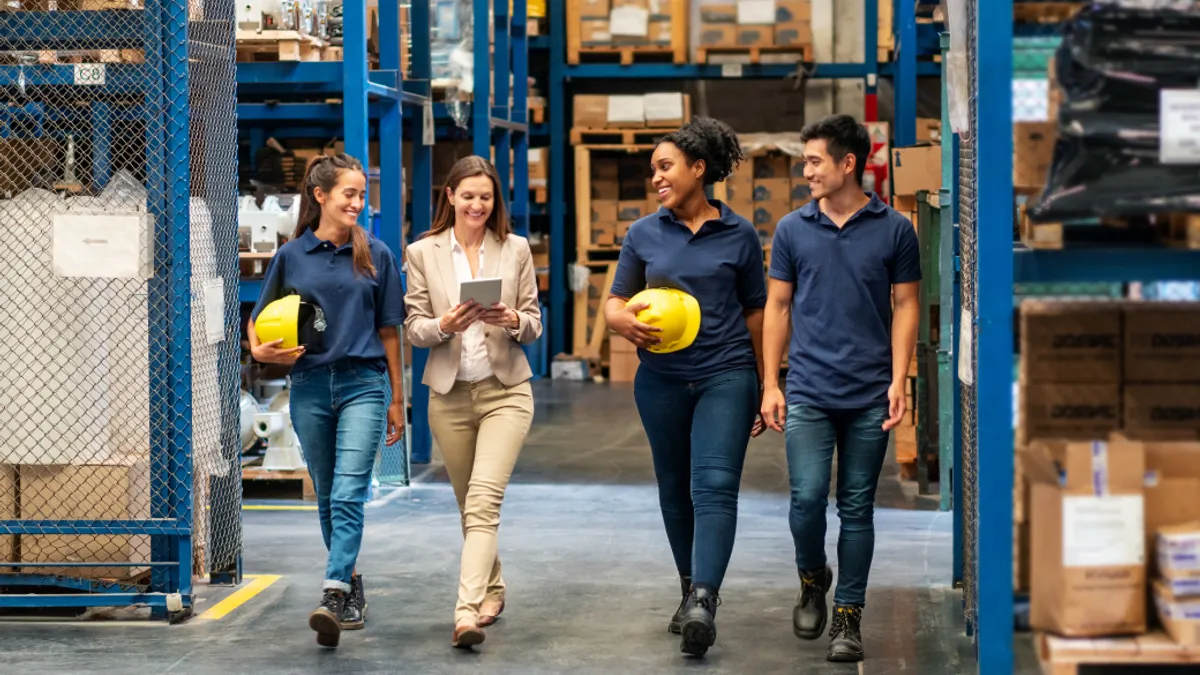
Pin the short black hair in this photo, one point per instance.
(710, 140)
(843, 135)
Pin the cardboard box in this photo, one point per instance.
(739, 189)
(775, 165)
(1087, 540)
(626, 111)
(1068, 411)
(606, 168)
(1064, 342)
(652, 204)
(744, 208)
(773, 190)
(793, 34)
(604, 233)
(1162, 342)
(796, 168)
(718, 35)
(659, 32)
(800, 192)
(721, 12)
(768, 214)
(623, 230)
(916, 168)
(604, 210)
(622, 359)
(640, 4)
(1180, 616)
(595, 32)
(591, 111)
(593, 8)
(906, 205)
(1162, 407)
(86, 492)
(755, 36)
(1171, 485)
(1033, 152)
(630, 209)
(929, 130)
(539, 167)
(787, 11)
(8, 507)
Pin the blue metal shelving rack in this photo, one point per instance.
(904, 70)
(1000, 264)
(495, 124)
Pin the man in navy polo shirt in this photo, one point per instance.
(845, 269)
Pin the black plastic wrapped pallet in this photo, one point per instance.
(1111, 68)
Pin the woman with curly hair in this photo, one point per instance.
(698, 405)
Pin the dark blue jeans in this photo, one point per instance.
(698, 433)
(340, 416)
(811, 436)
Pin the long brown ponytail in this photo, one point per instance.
(323, 172)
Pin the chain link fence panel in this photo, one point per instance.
(119, 352)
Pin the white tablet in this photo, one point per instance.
(484, 291)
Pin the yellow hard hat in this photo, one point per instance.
(675, 312)
(292, 320)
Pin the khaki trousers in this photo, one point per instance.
(480, 428)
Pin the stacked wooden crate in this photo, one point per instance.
(755, 31)
(627, 30)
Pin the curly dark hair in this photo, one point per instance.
(843, 135)
(711, 140)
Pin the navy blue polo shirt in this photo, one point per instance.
(356, 306)
(721, 265)
(841, 350)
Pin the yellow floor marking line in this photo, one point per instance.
(258, 584)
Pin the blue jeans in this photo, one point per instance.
(811, 436)
(339, 412)
(698, 433)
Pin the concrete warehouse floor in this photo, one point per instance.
(591, 584)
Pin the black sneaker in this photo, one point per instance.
(354, 614)
(699, 628)
(810, 613)
(676, 624)
(845, 638)
(325, 619)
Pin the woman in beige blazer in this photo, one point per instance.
(480, 401)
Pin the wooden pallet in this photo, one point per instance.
(48, 57)
(624, 54)
(1067, 656)
(755, 55)
(643, 136)
(1180, 230)
(1045, 12)
(257, 473)
(285, 45)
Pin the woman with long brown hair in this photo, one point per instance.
(346, 390)
(480, 401)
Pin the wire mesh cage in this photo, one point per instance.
(968, 247)
(119, 353)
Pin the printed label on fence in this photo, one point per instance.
(89, 74)
(1103, 531)
(731, 70)
(1179, 126)
(214, 310)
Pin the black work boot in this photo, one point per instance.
(699, 627)
(685, 584)
(845, 638)
(326, 618)
(809, 614)
(354, 614)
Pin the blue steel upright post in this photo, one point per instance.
(558, 155)
(905, 83)
(993, 213)
(519, 114)
(422, 210)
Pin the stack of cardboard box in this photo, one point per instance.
(620, 194)
(756, 23)
(659, 110)
(765, 188)
(1107, 456)
(1177, 589)
(605, 23)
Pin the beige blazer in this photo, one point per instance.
(433, 290)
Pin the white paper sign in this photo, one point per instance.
(1103, 531)
(629, 22)
(731, 70)
(89, 74)
(103, 245)
(214, 310)
(1179, 126)
(966, 374)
